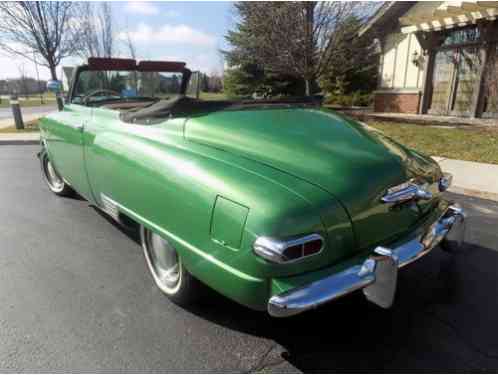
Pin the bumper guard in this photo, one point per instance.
(377, 275)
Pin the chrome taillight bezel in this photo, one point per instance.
(445, 182)
(273, 249)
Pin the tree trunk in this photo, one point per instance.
(309, 9)
(53, 73)
(307, 83)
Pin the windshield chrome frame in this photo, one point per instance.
(186, 74)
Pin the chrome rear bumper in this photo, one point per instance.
(376, 275)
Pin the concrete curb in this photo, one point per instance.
(470, 178)
(29, 138)
(13, 142)
(474, 193)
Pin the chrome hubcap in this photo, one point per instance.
(164, 261)
(53, 178)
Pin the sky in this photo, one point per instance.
(182, 31)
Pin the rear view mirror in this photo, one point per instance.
(54, 86)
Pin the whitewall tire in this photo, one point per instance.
(167, 269)
(54, 181)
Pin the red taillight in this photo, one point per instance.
(281, 251)
(312, 247)
(293, 252)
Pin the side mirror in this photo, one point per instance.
(54, 86)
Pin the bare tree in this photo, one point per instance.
(130, 46)
(96, 30)
(106, 32)
(38, 28)
(132, 51)
(214, 82)
(297, 38)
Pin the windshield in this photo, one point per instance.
(94, 86)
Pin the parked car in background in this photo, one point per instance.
(280, 205)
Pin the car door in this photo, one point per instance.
(100, 164)
(66, 146)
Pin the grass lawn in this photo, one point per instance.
(478, 144)
(212, 96)
(29, 127)
(30, 102)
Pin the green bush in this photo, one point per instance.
(357, 99)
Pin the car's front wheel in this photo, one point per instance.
(167, 269)
(53, 179)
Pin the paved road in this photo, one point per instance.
(75, 296)
(6, 113)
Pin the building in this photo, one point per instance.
(22, 86)
(437, 57)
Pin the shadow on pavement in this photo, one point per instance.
(127, 226)
(444, 319)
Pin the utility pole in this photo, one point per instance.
(198, 88)
(16, 111)
(38, 78)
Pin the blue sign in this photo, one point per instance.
(129, 93)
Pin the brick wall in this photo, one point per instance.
(396, 102)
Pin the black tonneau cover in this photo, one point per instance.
(182, 106)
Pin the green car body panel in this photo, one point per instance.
(212, 183)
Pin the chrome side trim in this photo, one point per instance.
(207, 257)
(363, 275)
(109, 206)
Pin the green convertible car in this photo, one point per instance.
(280, 205)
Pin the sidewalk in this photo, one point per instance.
(469, 178)
(19, 138)
(365, 114)
(5, 123)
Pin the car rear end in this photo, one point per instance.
(373, 270)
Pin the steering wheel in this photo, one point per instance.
(99, 91)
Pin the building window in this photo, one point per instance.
(461, 36)
(456, 72)
(491, 85)
(467, 74)
(442, 82)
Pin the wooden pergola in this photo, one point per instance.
(452, 14)
(432, 30)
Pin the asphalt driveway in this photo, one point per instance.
(75, 296)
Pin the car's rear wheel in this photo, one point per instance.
(167, 269)
(53, 179)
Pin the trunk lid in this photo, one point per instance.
(353, 164)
